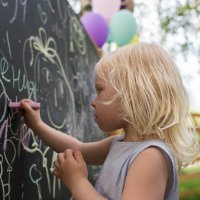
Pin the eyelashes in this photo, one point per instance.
(98, 89)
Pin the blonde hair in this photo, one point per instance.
(152, 96)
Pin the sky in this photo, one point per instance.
(149, 31)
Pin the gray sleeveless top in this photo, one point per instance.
(110, 182)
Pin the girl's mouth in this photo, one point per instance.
(95, 116)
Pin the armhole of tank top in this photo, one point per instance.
(168, 158)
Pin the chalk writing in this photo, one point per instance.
(46, 56)
(14, 11)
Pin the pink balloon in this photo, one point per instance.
(106, 8)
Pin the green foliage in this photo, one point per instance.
(195, 197)
(191, 170)
(189, 184)
(182, 19)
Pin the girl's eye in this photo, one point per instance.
(98, 90)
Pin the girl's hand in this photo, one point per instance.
(70, 167)
(31, 115)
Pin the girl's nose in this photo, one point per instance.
(93, 102)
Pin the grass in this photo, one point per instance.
(191, 170)
(189, 183)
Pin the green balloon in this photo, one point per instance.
(109, 38)
(123, 27)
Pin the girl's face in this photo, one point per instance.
(106, 114)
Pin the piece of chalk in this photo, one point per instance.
(17, 105)
(51, 169)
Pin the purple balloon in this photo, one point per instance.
(96, 27)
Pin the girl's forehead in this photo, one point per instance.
(100, 80)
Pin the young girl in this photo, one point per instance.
(139, 89)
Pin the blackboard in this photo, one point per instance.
(45, 55)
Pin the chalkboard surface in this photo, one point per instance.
(46, 56)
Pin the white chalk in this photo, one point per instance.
(51, 169)
(17, 105)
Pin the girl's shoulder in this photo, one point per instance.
(133, 149)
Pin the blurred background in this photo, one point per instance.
(173, 24)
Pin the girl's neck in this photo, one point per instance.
(130, 135)
(139, 138)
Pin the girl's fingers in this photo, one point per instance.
(78, 156)
(56, 164)
(68, 154)
(24, 104)
(26, 101)
(55, 172)
(60, 159)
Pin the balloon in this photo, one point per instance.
(96, 27)
(109, 38)
(123, 27)
(106, 8)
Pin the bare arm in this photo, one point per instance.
(93, 153)
(148, 176)
(70, 167)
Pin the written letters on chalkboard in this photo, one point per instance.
(46, 56)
